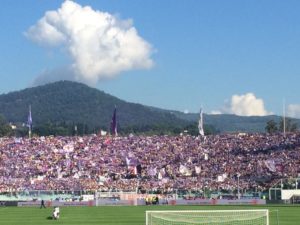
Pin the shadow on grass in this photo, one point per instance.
(49, 218)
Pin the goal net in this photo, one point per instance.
(207, 217)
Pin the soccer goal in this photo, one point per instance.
(207, 217)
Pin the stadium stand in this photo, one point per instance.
(156, 164)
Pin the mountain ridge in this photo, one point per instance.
(70, 102)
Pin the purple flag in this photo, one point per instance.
(113, 123)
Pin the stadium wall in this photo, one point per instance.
(218, 202)
(8, 203)
(57, 203)
(104, 202)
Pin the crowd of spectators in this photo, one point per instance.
(148, 163)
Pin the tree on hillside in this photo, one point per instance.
(5, 129)
(290, 126)
(271, 127)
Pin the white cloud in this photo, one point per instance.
(247, 105)
(186, 111)
(215, 112)
(99, 44)
(244, 105)
(293, 110)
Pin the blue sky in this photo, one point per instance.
(231, 56)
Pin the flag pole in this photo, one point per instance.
(284, 125)
(29, 122)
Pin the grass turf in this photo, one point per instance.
(124, 215)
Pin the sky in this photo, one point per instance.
(233, 56)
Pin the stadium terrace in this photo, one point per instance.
(161, 164)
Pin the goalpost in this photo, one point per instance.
(207, 217)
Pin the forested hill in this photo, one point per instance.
(67, 102)
(232, 123)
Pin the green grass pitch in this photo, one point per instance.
(124, 215)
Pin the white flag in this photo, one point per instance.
(197, 169)
(270, 164)
(200, 124)
(206, 156)
(220, 178)
(184, 171)
(159, 176)
(103, 133)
